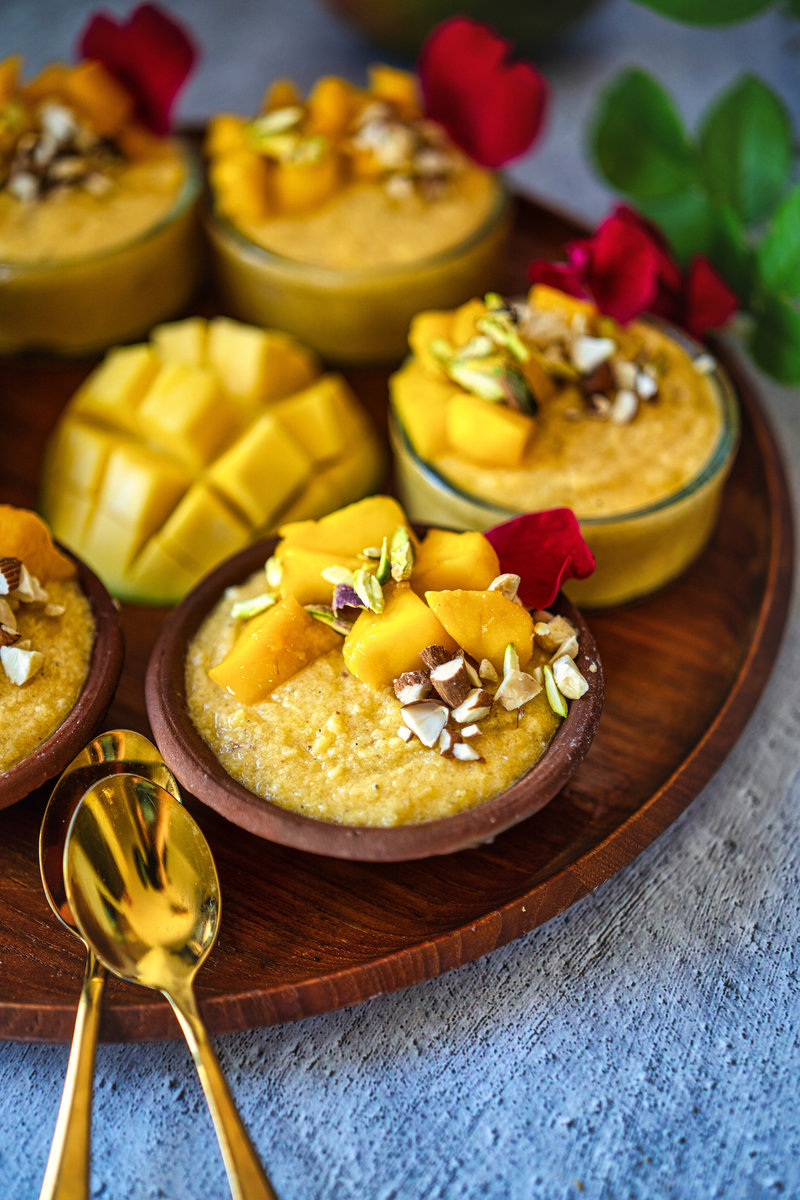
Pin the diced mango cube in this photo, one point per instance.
(183, 414)
(226, 135)
(381, 646)
(483, 623)
(49, 84)
(551, 299)
(465, 321)
(281, 93)
(301, 572)
(262, 470)
(182, 341)
(425, 329)
(9, 75)
(350, 530)
(98, 96)
(400, 88)
(331, 103)
(314, 416)
(157, 576)
(492, 434)
(76, 460)
(113, 392)
(272, 648)
(298, 186)
(447, 561)
(241, 184)
(202, 531)
(258, 364)
(421, 403)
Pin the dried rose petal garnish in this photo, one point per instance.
(491, 107)
(625, 268)
(149, 54)
(544, 549)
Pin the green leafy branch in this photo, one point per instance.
(717, 12)
(728, 192)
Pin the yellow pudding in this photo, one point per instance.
(515, 408)
(175, 453)
(98, 229)
(376, 717)
(46, 637)
(339, 216)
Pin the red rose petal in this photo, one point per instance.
(544, 549)
(492, 108)
(557, 275)
(149, 54)
(708, 301)
(622, 270)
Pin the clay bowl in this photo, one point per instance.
(79, 726)
(200, 773)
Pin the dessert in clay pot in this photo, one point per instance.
(46, 635)
(98, 227)
(514, 405)
(175, 453)
(339, 214)
(372, 676)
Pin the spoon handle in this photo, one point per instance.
(67, 1173)
(246, 1176)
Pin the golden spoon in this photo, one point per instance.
(67, 1173)
(143, 887)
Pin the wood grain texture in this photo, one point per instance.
(303, 934)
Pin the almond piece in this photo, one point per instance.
(475, 707)
(10, 572)
(569, 680)
(425, 718)
(434, 656)
(517, 688)
(466, 752)
(8, 636)
(20, 665)
(451, 681)
(411, 686)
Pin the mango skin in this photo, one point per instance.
(483, 623)
(381, 646)
(270, 649)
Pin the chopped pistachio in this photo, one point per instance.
(401, 554)
(554, 697)
(336, 575)
(501, 329)
(325, 614)
(366, 586)
(510, 659)
(476, 347)
(441, 349)
(384, 571)
(277, 121)
(274, 572)
(243, 609)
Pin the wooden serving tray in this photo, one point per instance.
(303, 934)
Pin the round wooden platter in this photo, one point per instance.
(303, 934)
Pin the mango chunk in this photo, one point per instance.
(487, 433)
(258, 364)
(281, 93)
(314, 417)
(465, 321)
(241, 182)
(272, 648)
(350, 530)
(301, 573)
(227, 134)
(381, 646)
(447, 561)
(182, 341)
(399, 88)
(24, 535)
(76, 460)
(98, 96)
(181, 412)
(331, 104)
(241, 473)
(420, 402)
(552, 300)
(483, 623)
(112, 393)
(425, 329)
(9, 75)
(300, 186)
(203, 530)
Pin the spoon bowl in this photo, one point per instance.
(141, 882)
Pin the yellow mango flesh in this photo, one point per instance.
(447, 560)
(421, 402)
(331, 103)
(397, 87)
(483, 623)
(98, 96)
(24, 535)
(241, 182)
(381, 646)
(298, 187)
(487, 433)
(302, 569)
(350, 530)
(173, 455)
(271, 648)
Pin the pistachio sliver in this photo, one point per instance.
(325, 614)
(384, 571)
(554, 697)
(337, 575)
(244, 609)
(274, 572)
(500, 329)
(368, 589)
(401, 554)
(482, 381)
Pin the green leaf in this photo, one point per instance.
(708, 12)
(686, 220)
(746, 148)
(731, 254)
(779, 252)
(775, 340)
(638, 139)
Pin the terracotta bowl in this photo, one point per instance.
(79, 726)
(200, 773)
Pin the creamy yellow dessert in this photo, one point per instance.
(337, 213)
(46, 636)
(367, 678)
(97, 223)
(516, 407)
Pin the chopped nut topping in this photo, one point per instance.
(446, 741)
(28, 588)
(451, 682)
(568, 678)
(705, 364)
(470, 731)
(517, 688)
(411, 686)
(434, 656)
(589, 352)
(19, 664)
(551, 633)
(10, 571)
(8, 636)
(476, 706)
(466, 752)
(507, 585)
(425, 718)
(624, 407)
(486, 671)
(405, 733)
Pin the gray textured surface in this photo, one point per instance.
(645, 1043)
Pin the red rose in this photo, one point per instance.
(544, 549)
(491, 107)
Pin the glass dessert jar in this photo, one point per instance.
(646, 507)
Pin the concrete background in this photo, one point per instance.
(643, 1044)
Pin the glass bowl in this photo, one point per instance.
(85, 303)
(637, 551)
(360, 315)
